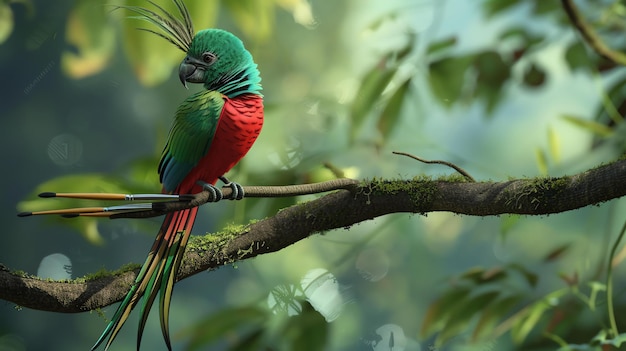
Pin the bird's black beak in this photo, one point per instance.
(191, 70)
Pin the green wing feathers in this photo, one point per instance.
(189, 139)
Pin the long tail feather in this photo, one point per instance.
(133, 295)
(101, 211)
(117, 197)
(162, 261)
(177, 251)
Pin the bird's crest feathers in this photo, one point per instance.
(178, 31)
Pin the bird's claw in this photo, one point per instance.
(215, 193)
(237, 189)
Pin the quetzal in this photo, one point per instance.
(212, 130)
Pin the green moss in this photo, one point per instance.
(539, 190)
(420, 189)
(538, 186)
(452, 178)
(104, 273)
(215, 242)
(22, 274)
(100, 313)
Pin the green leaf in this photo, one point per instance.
(142, 175)
(151, 57)
(447, 78)
(543, 7)
(600, 337)
(533, 313)
(507, 222)
(459, 319)
(388, 119)
(554, 146)
(154, 58)
(542, 161)
(534, 76)
(492, 314)
(576, 56)
(214, 327)
(556, 253)
(372, 86)
(203, 14)
(527, 39)
(252, 341)
(6, 21)
(596, 288)
(439, 311)
(301, 10)
(494, 7)
(441, 45)
(307, 331)
(492, 73)
(531, 278)
(479, 275)
(616, 341)
(615, 96)
(254, 18)
(491, 68)
(92, 37)
(597, 343)
(592, 126)
(87, 226)
(520, 330)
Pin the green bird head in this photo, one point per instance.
(215, 58)
(218, 59)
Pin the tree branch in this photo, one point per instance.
(590, 36)
(199, 199)
(340, 209)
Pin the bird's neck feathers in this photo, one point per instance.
(243, 81)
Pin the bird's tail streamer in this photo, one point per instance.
(157, 274)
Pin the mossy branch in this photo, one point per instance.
(340, 209)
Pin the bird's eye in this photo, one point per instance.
(209, 57)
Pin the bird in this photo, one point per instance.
(212, 131)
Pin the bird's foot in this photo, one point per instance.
(237, 189)
(215, 193)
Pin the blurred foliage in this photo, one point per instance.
(482, 75)
(6, 16)
(257, 328)
(92, 28)
(139, 176)
(492, 301)
(375, 82)
(515, 298)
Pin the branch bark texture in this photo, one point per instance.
(340, 209)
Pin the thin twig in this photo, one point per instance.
(439, 162)
(609, 284)
(590, 36)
